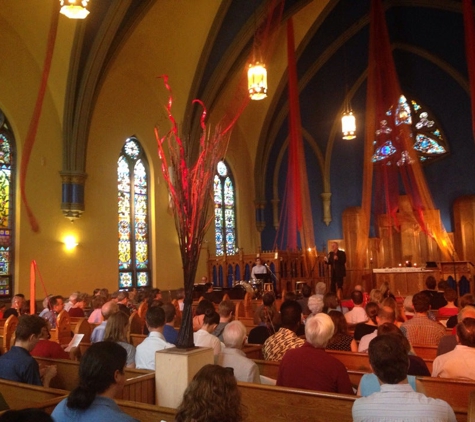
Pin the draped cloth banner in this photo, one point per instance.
(389, 151)
(469, 26)
(33, 128)
(296, 214)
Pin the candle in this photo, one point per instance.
(32, 287)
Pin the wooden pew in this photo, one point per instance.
(7, 330)
(279, 404)
(425, 352)
(139, 384)
(147, 412)
(253, 351)
(136, 339)
(79, 325)
(360, 361)
(20, 396)
(62, 333)
(471, 408)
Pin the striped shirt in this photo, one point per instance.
(399, 402)
(277, 344)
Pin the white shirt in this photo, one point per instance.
(145, 353)
(356, 315)
(245, 369)
(365, 340)
(400, 403)
(459, 363)
(258, 269)
(204, 339)
(98, 332)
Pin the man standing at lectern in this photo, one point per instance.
(337, 261)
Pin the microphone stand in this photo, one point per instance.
(273, 275)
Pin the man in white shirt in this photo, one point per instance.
(358, 313)
(460, 362)
(245, 369)
(145, 354)
(385, 314)
(396, 401)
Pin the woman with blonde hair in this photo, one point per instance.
(116, 331)
(212, 396)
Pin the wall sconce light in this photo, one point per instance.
(74, 9)
(70, 242)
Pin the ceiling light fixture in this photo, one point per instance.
(74, 9)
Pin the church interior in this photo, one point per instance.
(76, 92)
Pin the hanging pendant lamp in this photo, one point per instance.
(348, 124)
(257, 81)
(74, 9)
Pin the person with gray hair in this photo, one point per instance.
(448, 343)
(310, 366)
(245, 369)
(315, 304)
(320, 288)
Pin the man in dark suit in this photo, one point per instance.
(337, 261)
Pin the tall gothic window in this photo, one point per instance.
(134, 228)
(224, 211)
(7, 172)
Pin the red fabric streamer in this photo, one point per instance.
(469, 26)
(33, 128)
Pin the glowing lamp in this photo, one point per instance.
(348, 125)
(74, 9)
(257, 81)
(70, 242)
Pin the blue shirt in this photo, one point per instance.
(369, 384)
(101, 409)
(170, 334)
(98, 333)
(18, 365)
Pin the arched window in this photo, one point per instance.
(224, 211)
(429, 143)
(134, 228)
(7, 201)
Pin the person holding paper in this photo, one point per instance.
(46, 348)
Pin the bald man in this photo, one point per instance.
(107, 310)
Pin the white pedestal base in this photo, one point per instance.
(175, 368)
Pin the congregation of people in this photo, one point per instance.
(298, 332)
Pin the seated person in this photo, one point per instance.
(210, 294)
(315, 304)
(116, 331)
(145, 352)
(286, 338)
(96, 315)
(332, 303)
(169, 332)
(45, 348)
(212, 395)
(204, 337)
(306, 292)
(226, 311)
(231, 356)
(450, 295)
(17, 364)
(56, 305)
(466, 299)
(460, 362)
(107, 310)
(77, 308)
(341, 340)
(268, 300)
(363, 328)
(358, 313)
(101, 378)
(266, 327)
(200, 311)
(310, 366)
(17, 305)
(396, 401)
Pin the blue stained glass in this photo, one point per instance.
(224, 220)
(383, 152)
(133, 217)
(427, 145)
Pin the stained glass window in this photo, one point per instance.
(7, 164)
(429, 142)
(133, 224)
(224, 211)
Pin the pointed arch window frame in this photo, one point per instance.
(224, 212)
(133, 226)
(7, 207)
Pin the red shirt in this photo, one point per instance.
(313, 369)
(49, 349)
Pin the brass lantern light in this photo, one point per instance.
(74, 9)
(257, 81)
(348, 124)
